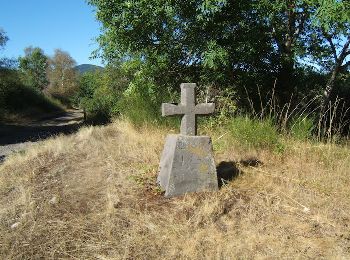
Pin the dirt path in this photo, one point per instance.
(16, 137)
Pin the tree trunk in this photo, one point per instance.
(330, 86)
(285, 79)
(329, 89)
(330, 83)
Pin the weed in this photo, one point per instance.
(302, 128)
(259, 134)
(94, 195)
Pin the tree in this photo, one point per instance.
(289, 23)
(329, 46)
(229, 44)
(4, 62)
(210, 41)
(100, 91)
(3, 38)
(332, 36)
(33, 67)
(62, 76)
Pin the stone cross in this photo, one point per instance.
(188, 109)
(187, 163)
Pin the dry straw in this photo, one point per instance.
(93, 195)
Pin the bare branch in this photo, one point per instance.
(344, 51)
(346, 65)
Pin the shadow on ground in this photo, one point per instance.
(62, 123)
(14, 134)
(15, 137)
(2, 158)
(228, 171)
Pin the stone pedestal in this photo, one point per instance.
(187, 165)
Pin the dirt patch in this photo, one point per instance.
(16, 137)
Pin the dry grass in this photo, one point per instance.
(92, 195)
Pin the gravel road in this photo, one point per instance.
(17, 137)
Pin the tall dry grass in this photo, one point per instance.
(306, 118)
(93, 195)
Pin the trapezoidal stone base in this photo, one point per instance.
(187, 165)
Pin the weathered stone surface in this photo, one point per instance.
(187, 165)
(188, 108)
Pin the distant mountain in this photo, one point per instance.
(82, 68)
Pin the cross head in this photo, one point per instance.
(188, 108)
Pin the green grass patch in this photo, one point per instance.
(302, 128)
(255, 133)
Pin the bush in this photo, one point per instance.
(101, 107)
(16, 98)
(140, 103)
(302, 128)
(259, 134)
(99, 93)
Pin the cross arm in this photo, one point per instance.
(171, 109)
(204, 108)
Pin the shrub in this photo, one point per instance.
(20, 99)
(101, 106)
(259, 134)
(99, 93)
(302, 128)
(140, 104)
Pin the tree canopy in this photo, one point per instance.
(62, 76)
(3, 38)
(33, 67)
(215, 42)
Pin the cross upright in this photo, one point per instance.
(188, 108)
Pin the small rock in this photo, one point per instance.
(15, 225)
(306, 210)
(117, 204)
(25, 214)
(54, 200)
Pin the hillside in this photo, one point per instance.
(93, 195)
(19, 102)
(82, 68)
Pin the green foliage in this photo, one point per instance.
(225, 104)
(302, 128)
(139, 106)
(3, 38)
(20, 99)
(214, 55)
(99, 93)
(329, 33)
(33, 68)
(237, 48)
(63, 77)
(142, 99)
(16, 98)
(255, 133)
(178, 41)
(101, 106)
(331, 14)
